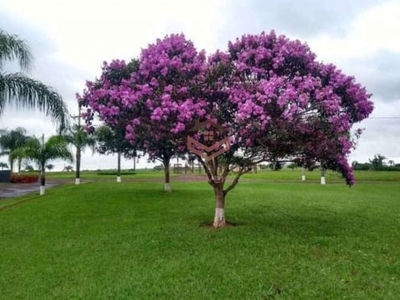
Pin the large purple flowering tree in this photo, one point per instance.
(271, 96)
(279, 102)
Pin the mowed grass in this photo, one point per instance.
(131, 240)
(108, 174)
(315, 175)
(264, 175)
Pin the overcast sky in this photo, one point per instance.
(70, 40)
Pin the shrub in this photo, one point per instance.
(24, 178)
(158, 168)
(115, 173)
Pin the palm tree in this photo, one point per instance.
(18, 155)
(19, 90)
(12, 143)
(80, 139)
(42, 152)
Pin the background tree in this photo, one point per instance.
(68, 168)
(18, 155)
(110, 141)
(276, 165)
(354, 164)
(80, 139)
(156, 99)
(42, 152)
(19, 90)
(12, 143)
(362, 166)
(293, 166)
(377, 162)
(111, 137)
(3, 165)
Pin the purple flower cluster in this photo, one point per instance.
(288, 104)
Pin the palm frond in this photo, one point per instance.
(54, 148)
(21, 91)
(12, 139)
(4, 153)
(12, 47)
(17, 153)
(80, 138)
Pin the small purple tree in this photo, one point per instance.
(103, 97)
(155, 100)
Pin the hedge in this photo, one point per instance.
(24, 178)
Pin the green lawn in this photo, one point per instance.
(282, 175)
(131, 240)
(288, 174)
(107, 174)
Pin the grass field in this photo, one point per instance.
(292, 240)
(284, 175)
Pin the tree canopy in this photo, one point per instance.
(12, 143)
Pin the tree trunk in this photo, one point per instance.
(134, 164)
(167, 185)
(119, 167)
(323, 181)
(11, 161)
(219, 218)
(42, 181)
(303, 173)
(19, 165)
(78, 166)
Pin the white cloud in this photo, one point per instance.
(372, 31)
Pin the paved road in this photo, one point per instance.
(10, 190)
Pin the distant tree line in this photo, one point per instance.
(377, 163)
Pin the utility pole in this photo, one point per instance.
(78, 116)
(42, 176)
(76, 136)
